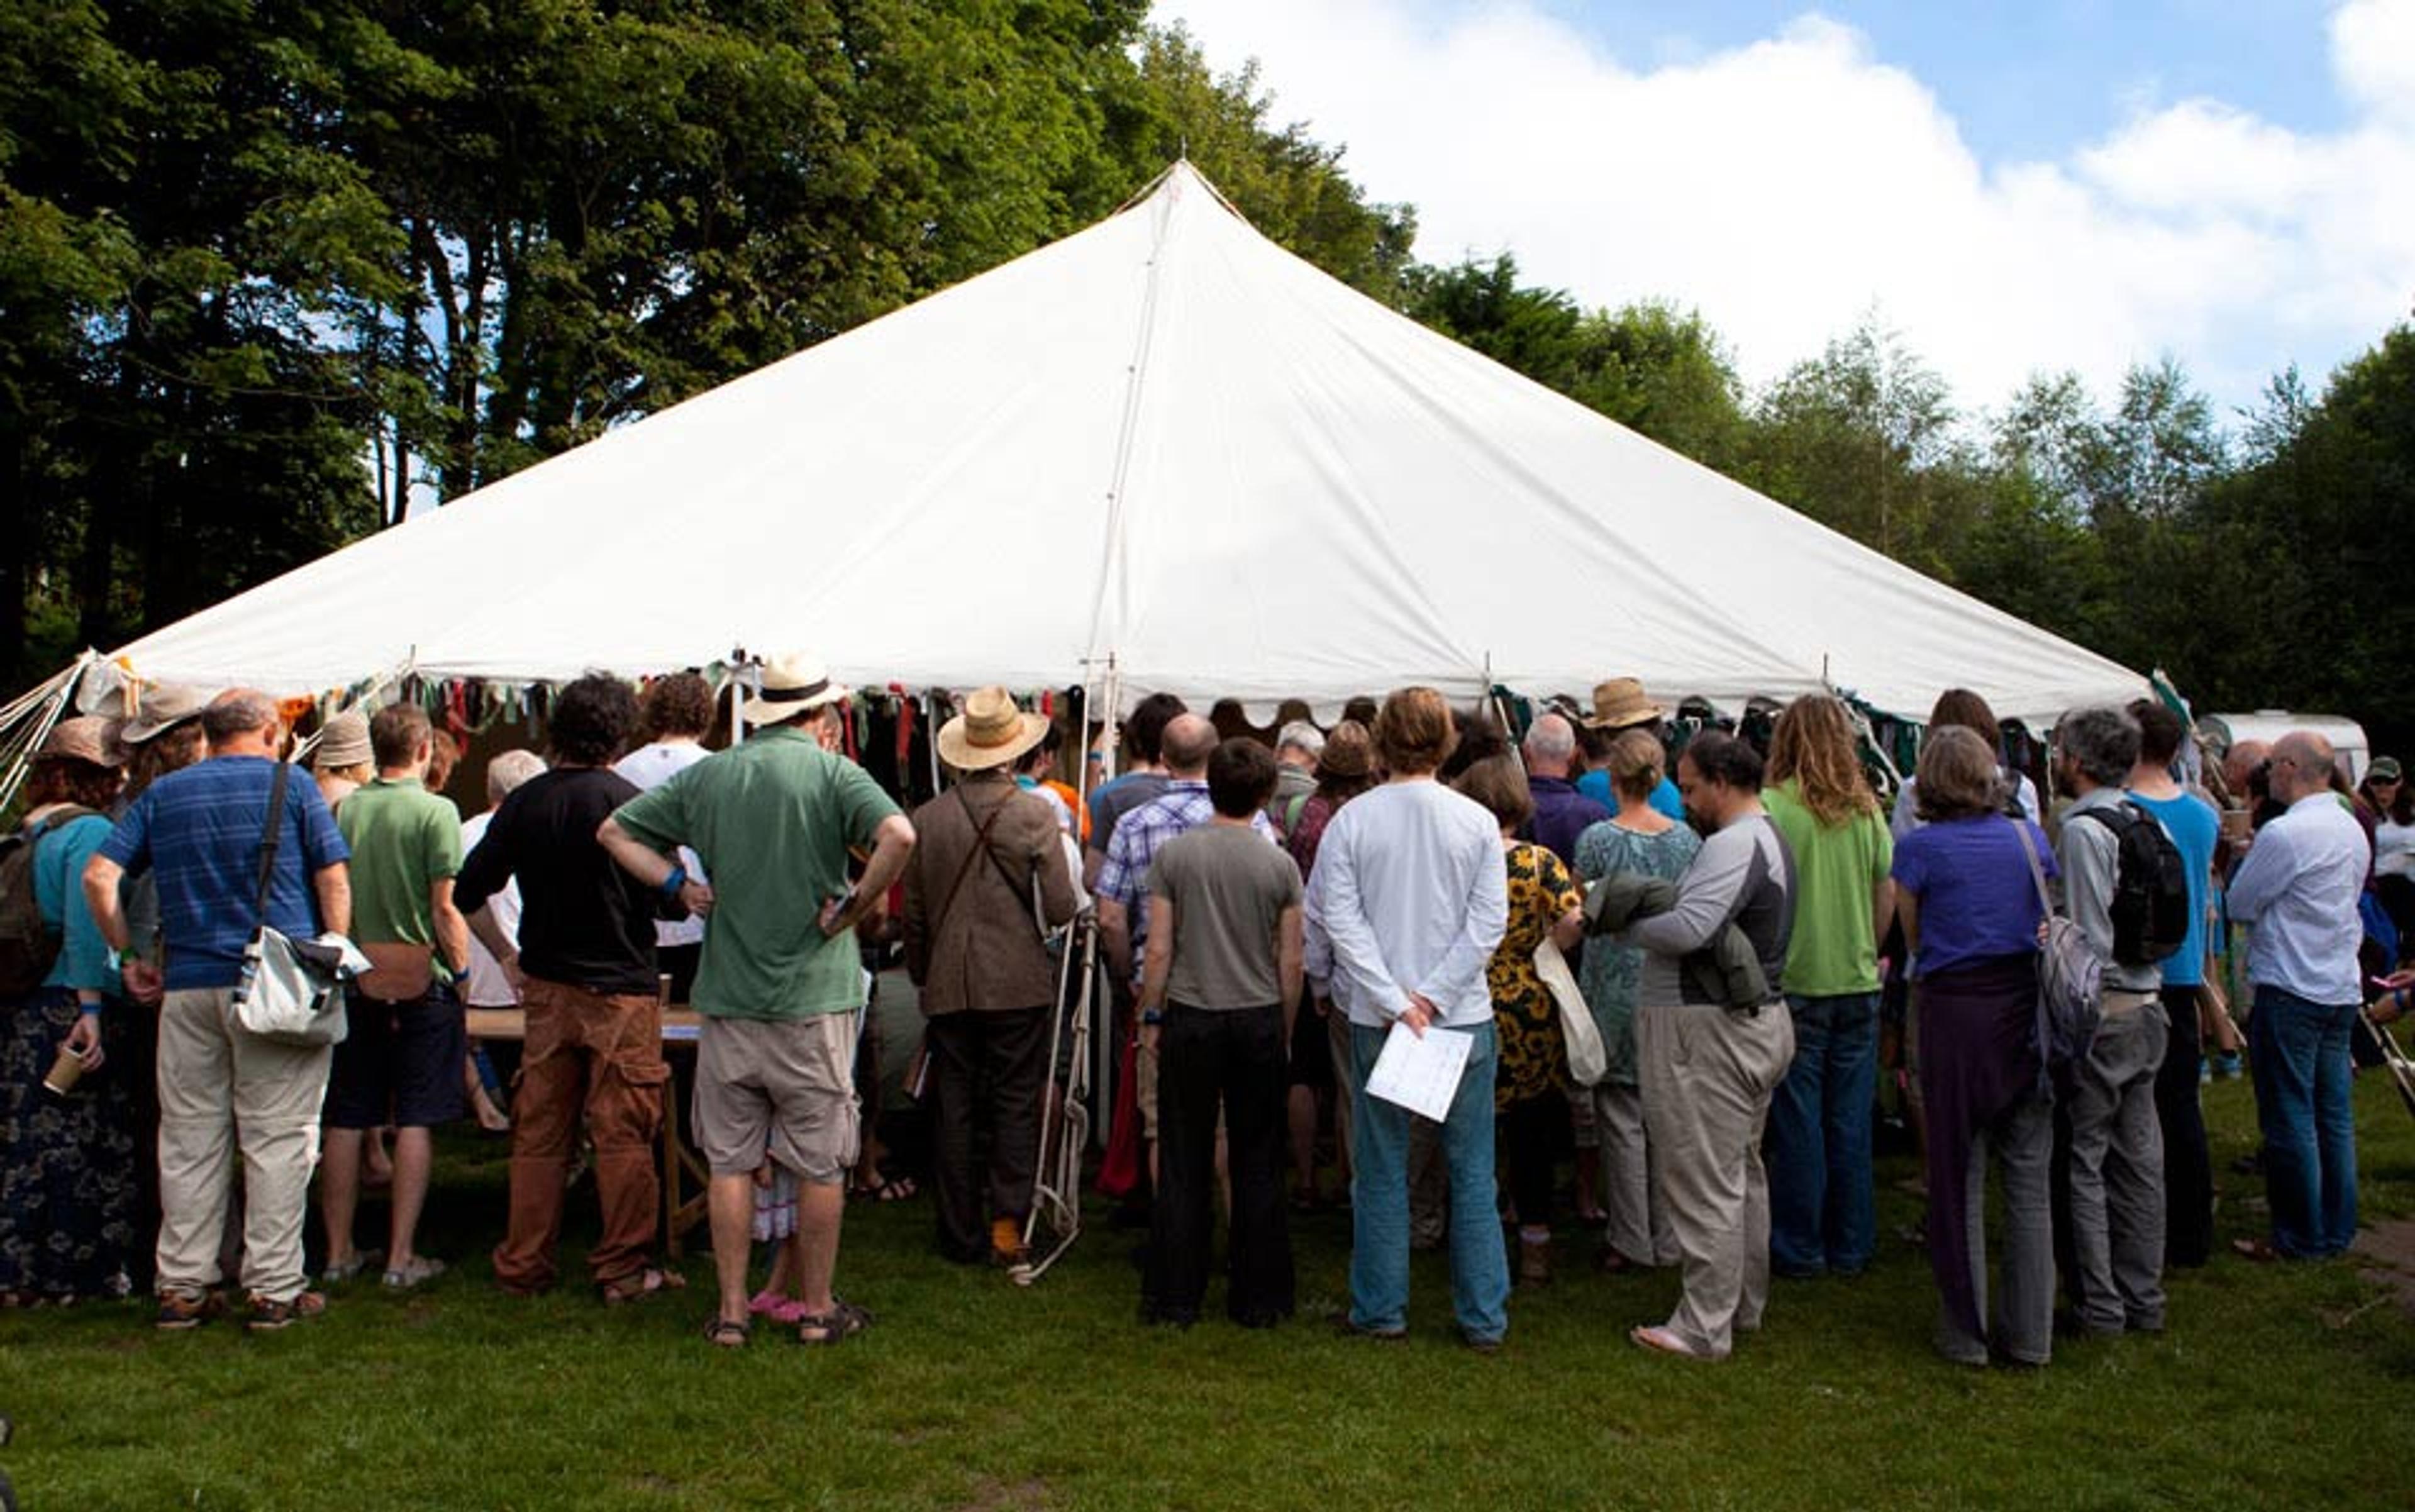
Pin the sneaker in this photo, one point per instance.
(181, 1310)
(415, 1271)
(2228, 1066)
(269, 1316)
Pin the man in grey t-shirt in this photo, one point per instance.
(1220, 979)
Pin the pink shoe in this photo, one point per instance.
(771, 1305)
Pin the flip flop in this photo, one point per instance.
(1654, 1338)
(894, 1189)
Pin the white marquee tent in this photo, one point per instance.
(1163, 441)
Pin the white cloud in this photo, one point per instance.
(1787, 186)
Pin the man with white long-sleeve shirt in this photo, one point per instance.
(2298, 887)
(1408, 901)
(1708, 1066)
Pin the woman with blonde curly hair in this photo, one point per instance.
(1822, 1214)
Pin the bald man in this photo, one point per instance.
(222, 1089)
(2297, 887)
(1561, 813)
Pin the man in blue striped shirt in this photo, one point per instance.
(200, 833)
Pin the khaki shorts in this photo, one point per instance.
(782, 1086)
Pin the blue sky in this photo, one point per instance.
(2014, 189)
(2026, 80)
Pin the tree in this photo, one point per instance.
(1855, 438)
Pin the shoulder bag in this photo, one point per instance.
(291, 991)
(2071, 981)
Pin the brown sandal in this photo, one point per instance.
(724, 1334)
(638, 1285)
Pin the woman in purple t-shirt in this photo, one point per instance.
(1970, 913)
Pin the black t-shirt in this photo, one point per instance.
(584, 921)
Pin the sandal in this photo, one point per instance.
(724, 1334)
(844, 1321)
(895, 1189)
(638, 1285)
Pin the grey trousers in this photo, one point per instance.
(1639, 1222)
(2117, 1173)
(2022, 1314)
(1707, 1076)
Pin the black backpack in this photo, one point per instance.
(27, 950)
(2149, 906)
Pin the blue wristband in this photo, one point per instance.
(92, 1009)
(677, 880)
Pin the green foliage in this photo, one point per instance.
(270, 267)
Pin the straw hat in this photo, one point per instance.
(345, 743)
(794, 683)
(990, 732)
(163, 709)
(1619, 703)
(1348, 751)
(82, 739)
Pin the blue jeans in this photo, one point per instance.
(2299, 1053)
(1822, 1214)
(1379, 1197)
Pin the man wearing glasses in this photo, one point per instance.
(2298, 887)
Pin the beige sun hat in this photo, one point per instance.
(344, 742)
(990, 732)
(1619, 702)
(163, 709)
(793, 682)
(84, 737)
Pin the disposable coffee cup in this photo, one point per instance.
(2235, 824)
(65, 1073)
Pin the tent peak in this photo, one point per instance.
(1172, 179)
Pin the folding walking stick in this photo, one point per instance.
(1064, 1131)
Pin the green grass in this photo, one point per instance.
(2276, 1386)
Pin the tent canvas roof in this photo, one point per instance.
(1165, 440)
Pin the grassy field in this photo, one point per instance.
(2276, 1386)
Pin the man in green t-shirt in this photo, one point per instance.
(781, 981)
(403, 1056)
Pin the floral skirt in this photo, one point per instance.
(68, 1193)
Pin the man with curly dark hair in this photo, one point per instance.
(585, 965)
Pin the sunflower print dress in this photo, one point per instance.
(1534, 1059)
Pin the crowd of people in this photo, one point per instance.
(1671, 958)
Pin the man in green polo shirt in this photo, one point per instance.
(402, 1058)
(780, 984)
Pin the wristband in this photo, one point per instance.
(89, 1009)
(117, 960)
(678, 879)
(1152, 1017)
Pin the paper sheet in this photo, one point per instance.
(1420, 1074)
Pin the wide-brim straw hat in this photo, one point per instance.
(1619, 702)
(991, 732)
(344, 742)
(793, 683)
(85, 737)
(163, 709)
